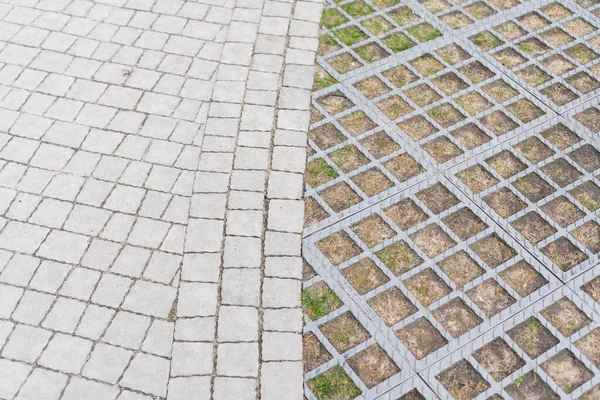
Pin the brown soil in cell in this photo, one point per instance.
(394, 107)
(412, 395)
(566, 370)
(385, 3)
(333, 384)
(403, 15)
(344, 63)
(500, 91)
(326, 136)
(307, 271)
(417, 127)
(560, 136)
(592, 288)
(486, 40)
(590, 118)
(581, 53)
(556, 11)
(583, 82)
(477, 178)
(509, 57)
(379, 144)
(456, 20)
(348, 158)
(588, 194)
(558, 64)
(561, 172)
(456, 317)
(400, 76)
(499, 123)
(356, 123)
(470, 136)
(309, 151)
(579, 27)
(480, 10)
(504, 202)
(392, 306)
(327, 44)
(564, 254)
(523, 278)
(534, 150)
(589, 345)
(427, 287)
(476, 72)
(344, 332)
(372, 181)
(462, 381)
(435, 6)
(442, 149)
(373, 365)
(319, 172)
(464, 223)
(510, 30)
(533, 47)
(315, 115)
(588, 234)
(377, 25)
(313, 352)
(432, 240)
(372, 87)
(335, 102)
(533, 227)
(421, 338)
(587, 157)
(498, 359)
(446, 115)
(399, 258)
(532, 337)
(405, 214)
(364, 276)
(313, 212)
(427, 65)
(557, 37)
(493, 251)
(562, 211)
(559, 94)
(437, 198)
(490, 297)
(533, 21)
(460, 268)
(371, 52)
(422, 95)
(449, 83)
(340, 196)
(530, 387)
(338, 248)
(593, 393)
(453, 54)
(533, 75)
(533, 187)
(566, 317)
(525, 110)
(506, 164)
(319, 300)
(504, 4)
(473, 103)
(403, 167)
(372, 230)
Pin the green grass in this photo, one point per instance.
(350, 35)
(385, 3)
(392, 255)
(437, 113)
(486, 40)
(424, 32)
(318, 302)
(588, 202)
(398, 42)
(534, 325)
(517, 382)
(358, 9)
(324, 81)
(527, 47)
(332, 17)
(403, 15)
(317, 170)
(333, 384)
(376, 25)
(365, 53)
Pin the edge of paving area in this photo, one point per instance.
(243, 240)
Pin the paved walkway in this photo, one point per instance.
(151, 160)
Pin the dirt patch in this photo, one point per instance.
(442, 149)
(462, 381)
(525, 110)
(399, 257)
(379, 144)
(394, 107)
(344, 63)
(326, 136)
(373, 365)
(371, 52)
(327, 44)
(427, 287)
(449, 83)
(589, 235)
(333, 384)
(364, 276)
(340, 196)
(437, 198)
(373, 230)
(400, 76)
(530, 386)
(590, 118)
(313, 352)
(372, 87)
(377, 25)
(532, 337)
(480, 10)
(453, 54)
(587, 157)
(579, 27)
(456, 20)
(403, 167)
(460, 268)
(556, 11)
(504, 202)
(566, 317)
(588, 194)
(348, 158)
(338, 248)
(435, 6)
(566, 370)
(490, 297)
(510, 30)
(583, 82)
(473, 103)
(421, 338)
(456, 317)
(510, 58)
(344, 332)
(534, 150)
(427, 64)
(492, 250)
(446, 115)
(581, 53)
(403, 15)
(319, 172)
(372, 181)
(412, 395)
(564, 254)
(486, 40)
(499, 123)
(561, 172)
(335, 102)
(356, 123)
(562, 211)
(558, 64)
(500, 90)
(523, 278)
(422, 95)
(533, 227)
(533, 75)
(406, 214)
(432, 240)
(307, 271)
(319, 300)
(417, 127)
(559, 94)
(557, 37)
(313, 212)
(470, 136)
(392, 306)
(506, 164)
(589, 345)
(464, 223)
(477, 178)
(592, 288)
(498, 359)
(533, 187)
